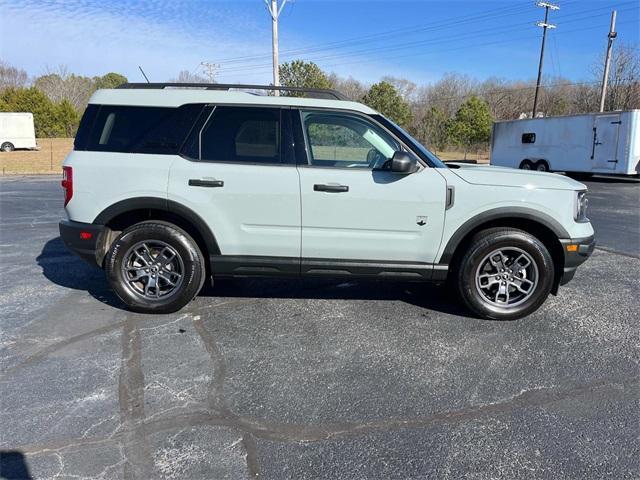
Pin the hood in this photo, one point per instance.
(513, 177)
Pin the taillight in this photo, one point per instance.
(67, 183)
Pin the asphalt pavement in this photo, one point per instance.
(277, 379)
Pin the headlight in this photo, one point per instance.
(580, 212)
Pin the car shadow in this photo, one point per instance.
(606, 179)
(66, 270)
(13, 465)
(63, 268)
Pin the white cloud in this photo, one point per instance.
(159, 35)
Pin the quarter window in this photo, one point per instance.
(249, 135)
(346, 141)
(115, 128)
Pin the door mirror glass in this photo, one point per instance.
(403, 163)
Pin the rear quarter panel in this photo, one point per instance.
(101, 179)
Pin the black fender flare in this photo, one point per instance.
(165, 205)
(497, 214)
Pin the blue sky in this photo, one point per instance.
(418, 40)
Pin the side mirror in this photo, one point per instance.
(403, 163)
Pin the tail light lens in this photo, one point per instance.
(67, 183)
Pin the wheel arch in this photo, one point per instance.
(545, 228)
(127, 212)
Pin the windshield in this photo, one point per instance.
(420, 149)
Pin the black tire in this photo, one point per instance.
(481, 246)
(7, 147)
(526, 165)
(541, 166)
(187, 257)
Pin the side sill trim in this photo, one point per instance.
(244, 265)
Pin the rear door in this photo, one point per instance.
(352, 209)
(605, 141)
(237, 176)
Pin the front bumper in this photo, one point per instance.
(81, 239)
(576, 252)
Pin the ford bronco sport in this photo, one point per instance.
(168, 186)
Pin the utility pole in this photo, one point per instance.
(210, 70)
(274, 11)
(607, 62)
(545, 25)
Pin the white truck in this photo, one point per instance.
(580, 145)
(17, 131)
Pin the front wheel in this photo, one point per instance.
(155, 267)
(7, 147)
(505, 274)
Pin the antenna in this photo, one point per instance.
(143, 74)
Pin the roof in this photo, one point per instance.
(174, 97)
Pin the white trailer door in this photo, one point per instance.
(605, 141)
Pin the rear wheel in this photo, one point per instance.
(505, 274)
(155, 267)
(526, 165)
(7, 147)
(541, 166)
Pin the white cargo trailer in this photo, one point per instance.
(585, 144)
(16, 131)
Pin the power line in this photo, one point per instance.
(473, 34)
(379, 36)
(432, 53)
(210, 70)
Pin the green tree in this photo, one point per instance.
(384, 98)
(303, 74)
(434, 129)
(34, 101)
(472, 124)
(67, 119)
(110, 80)
(50, 119)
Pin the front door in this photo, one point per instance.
(605, 148)
(353, 208)
(239, 181)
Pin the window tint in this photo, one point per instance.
(84, 129)
(157, 130)
(528, 138)
(347, 141)
(242, 134)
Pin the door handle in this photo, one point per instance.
(330, 188)
(196, 182)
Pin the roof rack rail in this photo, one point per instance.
(317, 92)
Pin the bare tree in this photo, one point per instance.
(623, 89)
(350, 87)
(12, 76)
(185, 76)
(58, 84)
(406, 88)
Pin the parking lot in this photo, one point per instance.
(317, 378)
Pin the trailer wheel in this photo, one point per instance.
(7, 147)
(526, 165)
(542, 166)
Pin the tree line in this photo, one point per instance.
(57, 99)
(457, 111)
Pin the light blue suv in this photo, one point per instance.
(169, 186)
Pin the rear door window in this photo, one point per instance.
(242, 134)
